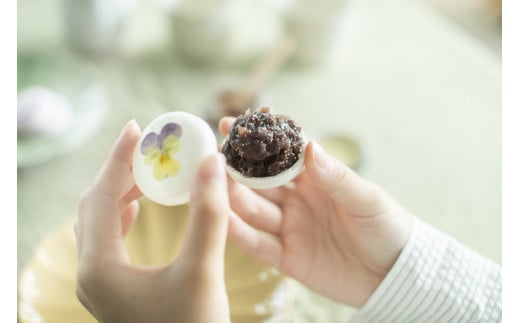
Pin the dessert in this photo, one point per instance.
(167, 156)
(264, 150)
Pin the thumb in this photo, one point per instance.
(359, 196)
(209, 213)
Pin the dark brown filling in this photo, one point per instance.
(261, 144)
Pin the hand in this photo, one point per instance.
(191, 289)
(333, 231)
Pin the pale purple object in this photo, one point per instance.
(156, 140)
(43, 112)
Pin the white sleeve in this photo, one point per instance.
(436, 279)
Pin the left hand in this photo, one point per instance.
(333, 230)
(191, 289)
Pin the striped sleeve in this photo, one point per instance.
(436, 279)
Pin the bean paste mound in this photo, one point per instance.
(262, 144)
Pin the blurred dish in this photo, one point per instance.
(313, 27)
(201, 30)
(94, 26)
(73, 81)
(89, 108)
(342, 147)
(42, 112)
(256, 292)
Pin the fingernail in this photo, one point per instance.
(133, 124)
(320, 157)
(130, 124)
(213, 169)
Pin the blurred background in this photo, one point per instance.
(407, 92)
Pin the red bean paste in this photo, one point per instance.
(262, 144)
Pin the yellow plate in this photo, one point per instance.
(257, 293)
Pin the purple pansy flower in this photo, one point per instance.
(159, 150)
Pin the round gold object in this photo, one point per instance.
(48, 282)
(342, 147)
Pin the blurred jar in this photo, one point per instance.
(313, 25)
(200, 29)
(93, 26)
(225, 101)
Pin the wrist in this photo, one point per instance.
(392, 242)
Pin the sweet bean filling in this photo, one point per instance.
(262, 144)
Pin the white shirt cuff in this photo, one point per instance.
(436, 279)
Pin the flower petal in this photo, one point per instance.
(151, 140)
(152, 156)
(169, 129)
(165, 167)
(171, 145)
(158, 172)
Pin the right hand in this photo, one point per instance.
(333, 231)
(189, 289)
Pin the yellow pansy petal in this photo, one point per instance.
(158, 172)
(165, 167)
(171, 166)
(171, 145)
(152, 156)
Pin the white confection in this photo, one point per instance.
(271, 181)
(197, 142)
(42, 112)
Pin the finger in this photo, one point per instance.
(341, 183)
(128, 217)
(99, 216)
(209, 214)
(78, 242)
(225, 124)
(254, 209)
(256, 244)
(113, 178)
(301, 178)
(130, 183)
(275, 195)
(133, 194)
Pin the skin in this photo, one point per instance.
(334, 231)
(191, 289)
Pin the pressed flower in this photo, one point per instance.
(159, 150)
